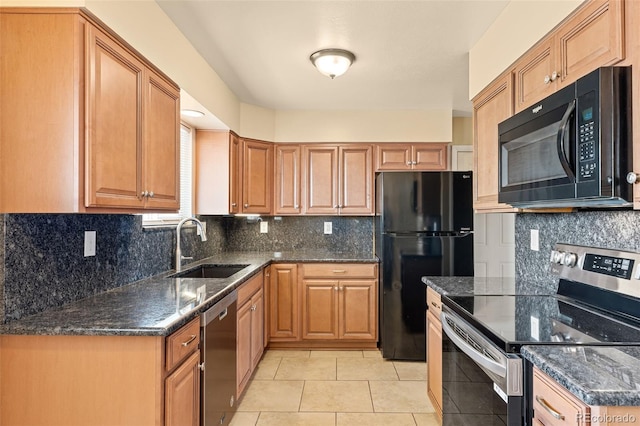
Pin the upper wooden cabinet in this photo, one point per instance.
(257, 175)
(424, 156)
(60, 70)
(338, 179)
(591, 38)
(493, 105)
(287, 179)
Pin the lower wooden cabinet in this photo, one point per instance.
(323, 305)
(250, 333)
(108, 380)
(434, 351)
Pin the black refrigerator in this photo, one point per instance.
(424, 226)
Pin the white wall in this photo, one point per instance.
(364, 126)
(521, 24)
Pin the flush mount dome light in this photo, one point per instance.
(191, 113)
(332, 62)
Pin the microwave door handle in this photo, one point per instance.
(561, 141)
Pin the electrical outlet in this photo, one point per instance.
(264, 227)
(535, 328)
(535, 240)
(328, 228)
(89, 243)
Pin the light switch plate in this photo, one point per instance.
(328, 228)
(264, 227)
(535, 328)
(89, 243)
(535, 240)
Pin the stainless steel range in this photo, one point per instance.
(485, 380)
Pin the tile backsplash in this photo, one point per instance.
(610, 229)
(42, 263)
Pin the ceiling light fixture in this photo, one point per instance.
(191, 113)
(332, 62)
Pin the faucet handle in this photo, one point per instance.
(186, 257)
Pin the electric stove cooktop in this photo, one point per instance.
(600, 309)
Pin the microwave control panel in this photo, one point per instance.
(587, 134)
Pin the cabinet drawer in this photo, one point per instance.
(553, 405)
(247, 289)
(339, 270)
(434, 302)
(182, 343)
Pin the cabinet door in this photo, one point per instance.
(283, 302)
(393, 157)
(356, 180)
(243, 353)
(320, 309)
(592, 38)
(321, 179)
(113, 147)
(358, 310)
(182, 394)
(161, 138)
(553, 405)
(235, 185)
(534, 73)
(257, 328)
(492, 106)
(434, 361)
(257, 170)
(288, 173)
(430, 156)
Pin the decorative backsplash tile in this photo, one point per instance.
(610, 229)
(42, 261)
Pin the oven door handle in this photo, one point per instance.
(561, 141)
(477, 357)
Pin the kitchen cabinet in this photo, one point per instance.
(250, 330)
(403, 157)
(110, 119)
(288, 173)
(182, 386)
(339, 302)
(217, 172)
(590, 38)
(493, 105)
(257, 175)
(283, 303)
(338, 179)
(83, 379)
(434, 351)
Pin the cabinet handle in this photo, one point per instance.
(435, 305)
(547, 407)
(339, 271)
(191, 339)
(253, 307)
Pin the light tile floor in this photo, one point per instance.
(335, 388)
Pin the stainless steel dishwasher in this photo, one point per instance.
(219, 361)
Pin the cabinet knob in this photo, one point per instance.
(234, 204)
(555, 75)
(151, 194)
(335, 288)
(414, 163)
(144, 194)
(296, 206)
(246, 205)
(632, 177)
(408, 163)
(547, 79)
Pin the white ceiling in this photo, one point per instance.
(409, 54)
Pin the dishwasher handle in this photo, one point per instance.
(218, 310)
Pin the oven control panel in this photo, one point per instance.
(616, 270)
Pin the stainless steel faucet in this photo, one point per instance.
(203, 237)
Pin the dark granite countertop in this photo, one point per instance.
(482, 285)
(597, 375)
(159, 305)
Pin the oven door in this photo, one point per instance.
(537, 152)
(480, 383)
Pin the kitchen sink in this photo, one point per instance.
(210, 271)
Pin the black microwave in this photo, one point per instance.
(573, 149)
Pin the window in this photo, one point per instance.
(186, 184)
